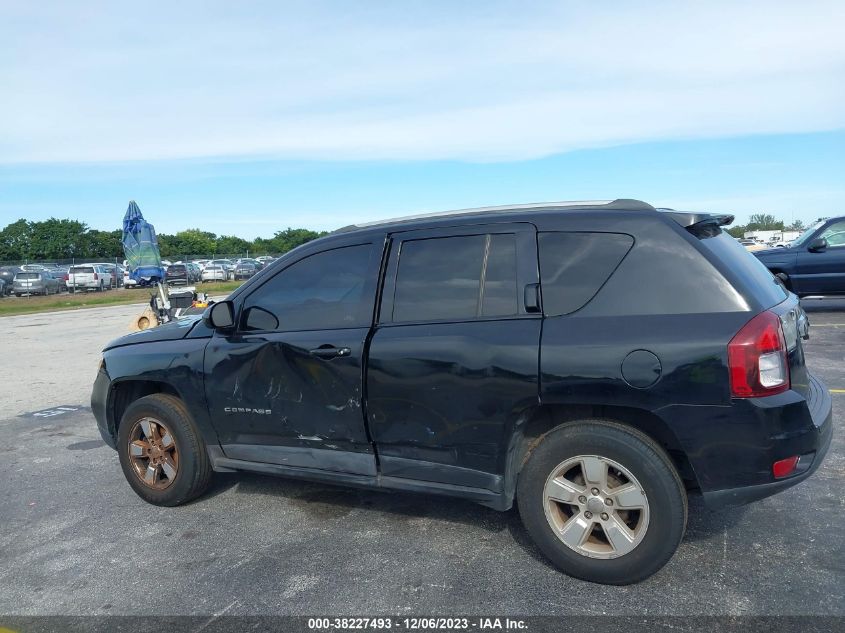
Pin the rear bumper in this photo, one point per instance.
(812, 443)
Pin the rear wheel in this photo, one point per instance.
(603, 502)
(162, 454)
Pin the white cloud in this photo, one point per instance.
(472, 81)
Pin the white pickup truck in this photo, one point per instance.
(85, 277)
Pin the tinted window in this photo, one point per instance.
(746, 266)
(441, 278)
(323, 291)
(81, 270)
(500, 293)
(573, 266)
(27, 276)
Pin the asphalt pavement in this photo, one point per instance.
(75, 540)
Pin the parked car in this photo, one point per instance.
(214, 273)
(60, 274)
(248, 260)
(35, 283)
(115, 277)
(245, 270)
(593, 363)
(178, 274)
(813, 263)
(194, 272)
(88, 277)
(7, 274)
(265, 259)
(2, 288)
(228, 264)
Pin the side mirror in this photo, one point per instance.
(817, 245)
(220, 315)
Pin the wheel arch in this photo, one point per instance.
(124, 392)
(540, 420)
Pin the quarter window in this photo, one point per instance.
(574, 266)
(456, 278)
(321, 292)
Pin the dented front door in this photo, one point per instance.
(294, 397)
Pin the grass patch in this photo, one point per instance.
(10, 306)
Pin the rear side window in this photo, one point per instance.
(574, 266)
(745, 265)
(321, 292)
(456, 278)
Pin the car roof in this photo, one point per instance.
(424, 219)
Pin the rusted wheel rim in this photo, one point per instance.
(153, 453)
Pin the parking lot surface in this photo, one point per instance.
(75, 540)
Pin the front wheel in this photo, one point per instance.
(162, 454)
(603, 502)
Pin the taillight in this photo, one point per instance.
(96, 277)
(757, 358)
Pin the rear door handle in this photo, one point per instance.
(329, 351)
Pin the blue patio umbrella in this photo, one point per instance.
(141, 247)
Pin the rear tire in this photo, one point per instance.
(176, 453)
(617, 532)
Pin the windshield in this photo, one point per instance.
(806, 234)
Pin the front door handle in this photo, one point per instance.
(329, 351)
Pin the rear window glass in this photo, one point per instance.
(27, 276)
(79, 270)
(746, 266)
(574, 266)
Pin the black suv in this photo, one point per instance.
(594, 362)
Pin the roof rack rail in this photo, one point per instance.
(619, 203)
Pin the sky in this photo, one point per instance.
(246, 118)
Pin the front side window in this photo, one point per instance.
(456, 278)
(835, 234)
(321, 292)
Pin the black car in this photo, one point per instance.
(178, 274)
(814, 263)
(7, 274)
(593, 362)
(245, 270)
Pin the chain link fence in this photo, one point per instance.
(58, 270)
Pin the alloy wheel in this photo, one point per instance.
(153, 453)
(596, 506)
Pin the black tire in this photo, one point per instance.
(650, 465)
(194, 468)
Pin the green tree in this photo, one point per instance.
(286, 240)
(231, 245)
(105, 244)
(14, 241)
(764, 222)
(58, 239)
(797, 225)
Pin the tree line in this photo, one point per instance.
(56, 239)
(765, 222)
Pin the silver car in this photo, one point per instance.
(35, 283)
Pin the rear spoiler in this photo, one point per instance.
(700, 224)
